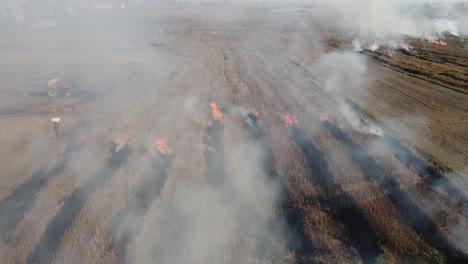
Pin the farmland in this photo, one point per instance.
(273, 173)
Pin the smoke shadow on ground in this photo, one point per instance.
(339, 204)
(432, 176)
(131, 217)
(214, 153)
(414, 216)
(297, 240)
(50, 240)
(257, 136)
(429, 175)
(21, 200)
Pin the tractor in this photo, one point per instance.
(58, 87)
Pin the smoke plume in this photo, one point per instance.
(375, 23)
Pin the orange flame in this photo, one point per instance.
(216, 114)
(440, 42)
(121, 139)
(291, 120)
(323, 118)
(161, 144)
(255, 113)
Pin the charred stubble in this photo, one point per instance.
(145, 195)
(432, 178)
(21, 200)
(297, 240)
(340, 205)
(214, 153)
(414, 216)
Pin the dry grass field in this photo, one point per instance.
(274, 173)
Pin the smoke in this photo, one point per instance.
(158, 74)
(375, 23)
(220, 223)
(344, 73)
(383, 19)
(341, 71)
(357, 123)
(457, 227)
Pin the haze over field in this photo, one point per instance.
(237, 132)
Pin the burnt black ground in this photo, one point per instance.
(432, 178)
(296, 239)
(257, 141)
(131, 218)
(414, 216)
(214, 153)
(340, 205)
(194, 42)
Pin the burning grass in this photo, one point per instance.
(216, 114)
(162, 146)
(441, 62)
(129, 220)
(214, 146)
(327, 224)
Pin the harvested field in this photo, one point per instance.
(232, 146)
(128, 221)
(20, 201)
(440, 64)
(49, 243)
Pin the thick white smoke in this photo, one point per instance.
(341, 70)
(344, 73)
(381, 18)
(385, 23)
(227, 223)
